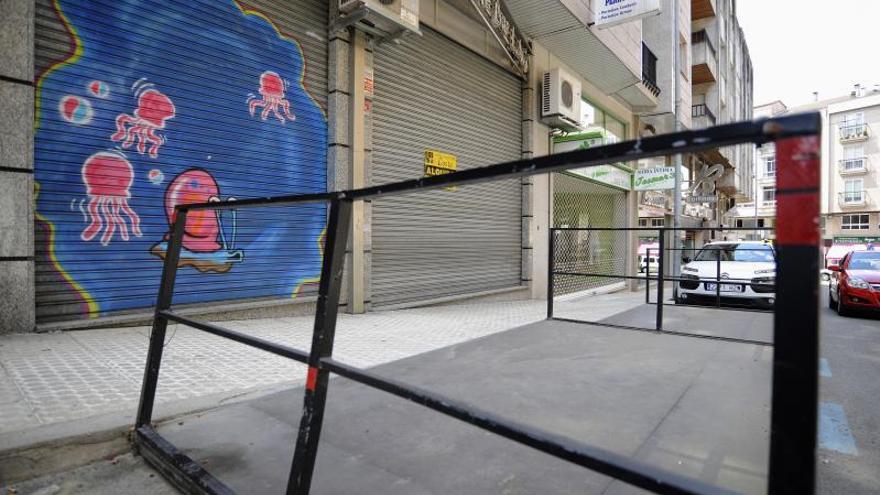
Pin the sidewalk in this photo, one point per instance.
(52, 378)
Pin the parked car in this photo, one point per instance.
(648, 263)
(748, 273)
(855, 283)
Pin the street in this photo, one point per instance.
(849, 457)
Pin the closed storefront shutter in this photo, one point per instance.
(141, 106)
(433, 94)
(579, 203)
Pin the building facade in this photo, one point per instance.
(239, 100)
(715, 86)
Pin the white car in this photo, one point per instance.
(748, 273)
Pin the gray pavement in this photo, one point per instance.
(48, 379)
(692, 406)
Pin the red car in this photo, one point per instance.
(856, 282)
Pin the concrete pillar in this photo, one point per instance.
(537, 197)
(361, 77)
(17, 306)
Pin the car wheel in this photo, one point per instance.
(825, 277)
(831, 302)
(842, 310)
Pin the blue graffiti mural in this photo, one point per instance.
(169, 103)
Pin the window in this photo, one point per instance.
(770, 166)
(643, 222)
(768, 194)
(853, 191)
(685, 66)
(739, 224)
(658, 222)
(853, 158)
(855, 222)
(594, 118)
(852, 125)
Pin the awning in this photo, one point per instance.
(561, 26)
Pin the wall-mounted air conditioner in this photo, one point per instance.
(561, 100)
(380, 17)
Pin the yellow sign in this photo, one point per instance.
(439, 163)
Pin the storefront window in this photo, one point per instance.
(594, 118)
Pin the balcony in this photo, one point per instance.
(850, 199)
(701, 9)
(649, 70)
(851, 133)
(705, 58)
(853, 166)
(703, 116)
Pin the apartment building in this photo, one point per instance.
(715, 79)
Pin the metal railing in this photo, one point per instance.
(649, 70)
(853, 165)
(795, 377)
(852, 198)
(702, 36)
(703, 110)
(854, 132)
(692, 286)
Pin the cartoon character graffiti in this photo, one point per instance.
(154, 108)
(204, 245)
(108, 177)
(272, 89)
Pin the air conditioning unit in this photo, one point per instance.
(381, 17)
(561, 100)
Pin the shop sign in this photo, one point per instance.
(704, 187)
(606, 174)
(613, 12)
(505, 32)
(440, 163)
(654, 198)
(654, 179)
(855, 240)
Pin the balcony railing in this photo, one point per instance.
(849, 166)
(649, 70)
(702, 110)
(705, 58)
(853, 198)
(854, 132)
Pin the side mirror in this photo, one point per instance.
(834, 268)
(686, 259)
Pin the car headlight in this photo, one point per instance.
(689, 269)
(857, 283)
(761, 272)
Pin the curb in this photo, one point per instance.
(59, 447)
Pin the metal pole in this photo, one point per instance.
(160, 323)
(676, 159)
(648, 276)
(661, 266)
(718, 279)
(317, 379)
(551, 268)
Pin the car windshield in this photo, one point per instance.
(865, 261)
(737, 252)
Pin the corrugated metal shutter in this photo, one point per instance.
(213, 98)
(431, 93)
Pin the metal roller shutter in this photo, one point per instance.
(431, 93)
(143, 106)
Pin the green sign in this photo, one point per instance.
(855, 240)
(612, 175)
(654, 179)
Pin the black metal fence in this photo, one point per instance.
(793, 419)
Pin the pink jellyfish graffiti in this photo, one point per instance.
(272, 89)
(154, 108)
(108, 177)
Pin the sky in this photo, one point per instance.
(801, 46)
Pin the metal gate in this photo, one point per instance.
(796, 319)
(433, 94)
(141, 108)
(579, 205)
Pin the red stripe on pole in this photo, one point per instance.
(797, 191)
(312, 379)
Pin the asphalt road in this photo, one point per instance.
(849, 437)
